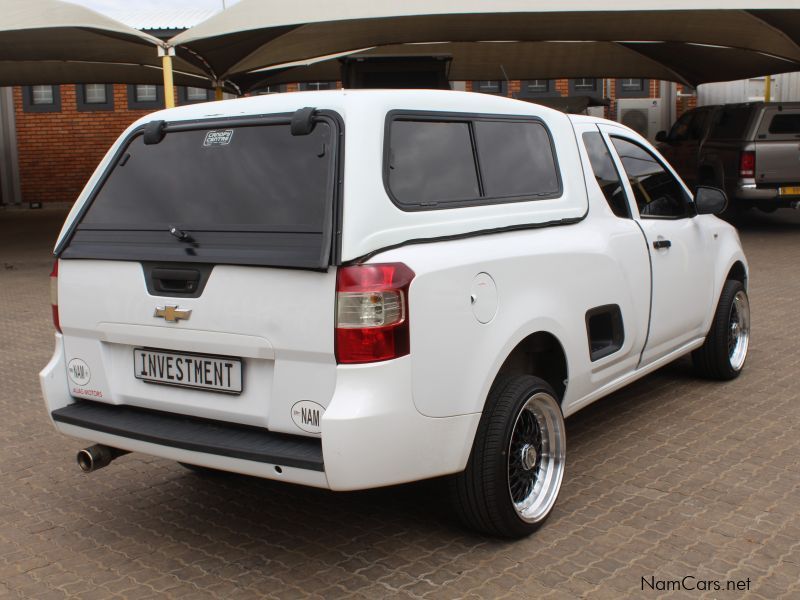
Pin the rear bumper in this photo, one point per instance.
(190, 433)
(748, 192)
(372, 434)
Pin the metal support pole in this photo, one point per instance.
(166, 55)
(9, 155)
(218, 93)
(768, 88)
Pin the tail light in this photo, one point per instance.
(54, 296)
(747, 164)
(372, 312)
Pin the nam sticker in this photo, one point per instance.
(307, 415)
(218, 137)
(78, 372)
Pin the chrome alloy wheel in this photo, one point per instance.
(739, 330)
(536, 457)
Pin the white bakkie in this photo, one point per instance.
(352, 289)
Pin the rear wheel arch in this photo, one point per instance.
(542, 355)
(738, 272)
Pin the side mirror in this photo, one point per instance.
(661, 136)
(709, 200)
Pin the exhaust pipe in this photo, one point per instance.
(96, 457)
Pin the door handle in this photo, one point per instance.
(659, 244)
(175, 280)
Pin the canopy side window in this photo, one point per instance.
(434, 162)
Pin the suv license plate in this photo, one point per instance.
(791, 190)
(200, 371)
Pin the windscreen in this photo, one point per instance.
(255, 194)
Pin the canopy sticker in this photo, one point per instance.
(218, 137)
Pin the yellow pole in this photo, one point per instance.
(768, 88)
(218, 93)
(169, 88)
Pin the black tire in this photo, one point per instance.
(482, 493)
(720, 357)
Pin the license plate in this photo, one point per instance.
(200, 371)
(790, 190)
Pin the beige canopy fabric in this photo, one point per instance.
(15, 72)
(67, 38)
(687, 63)
(254, 34)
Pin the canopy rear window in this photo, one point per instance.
(246, 194)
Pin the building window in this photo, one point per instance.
(586, 86)
(145, 93)
(632, 85)
(94, 96)
(317, 85)
(490, 87)
(41, 98)
(633, 88)
(196, 94)
(145, 96)
(537, 85)
(269, 89)
(193, 95)
(42, 94)
(536, 88)
(95, 93)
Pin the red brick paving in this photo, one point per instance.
(671, 477)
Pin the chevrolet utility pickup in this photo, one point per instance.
(353, 289)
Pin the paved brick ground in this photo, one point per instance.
(671, 477)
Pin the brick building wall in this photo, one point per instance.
(685, 101)
(653, 91)
(58, 151)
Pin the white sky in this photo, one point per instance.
(109, 6)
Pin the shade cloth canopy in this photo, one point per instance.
(48, 41)
(57, 72)
(254, 34)
(687, 63)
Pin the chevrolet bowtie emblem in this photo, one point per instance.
(172, 314)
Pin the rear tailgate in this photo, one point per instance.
(278, 322)
(197, 279)
(778, 148)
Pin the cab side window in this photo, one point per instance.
(606, 174)
(658, 194)
(697, 128)
(680, 130)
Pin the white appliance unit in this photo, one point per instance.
(643, 115)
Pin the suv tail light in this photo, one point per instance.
(54, 296)
(747, 164)
(372, 312)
